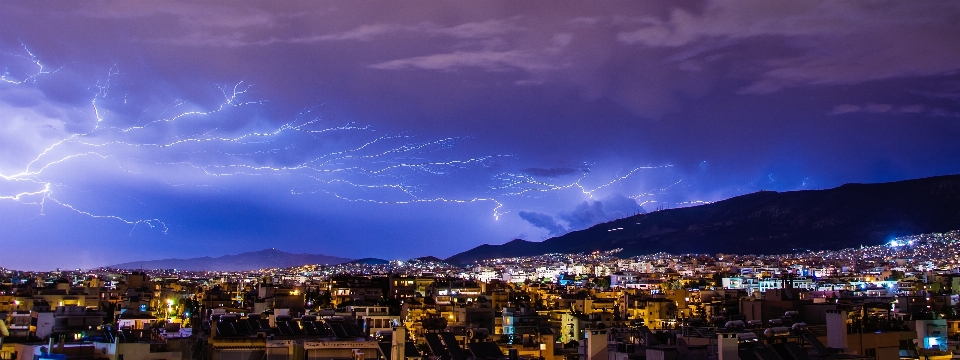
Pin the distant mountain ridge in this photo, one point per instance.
(369, 261)
(263, 259)
(765, 222)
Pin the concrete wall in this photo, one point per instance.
(132, 351)
(597, 345)
(836, 329)
(885, 346)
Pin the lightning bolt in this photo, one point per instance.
(515, 184)
(33, 175)
(186, 144)
(33, 60)
(384, 163)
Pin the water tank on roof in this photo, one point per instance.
(747, 337)
(478, 333)
(776, 331)
(735, 324)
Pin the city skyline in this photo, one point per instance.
(396, 131)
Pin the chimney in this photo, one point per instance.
(546, 346)
(597, 345)
(837, 329)
(399, 346)
(728, 347)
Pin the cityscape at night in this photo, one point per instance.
(498, 180)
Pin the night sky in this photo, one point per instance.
(145, 130)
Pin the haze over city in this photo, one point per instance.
(146, 130)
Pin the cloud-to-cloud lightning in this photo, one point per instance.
(193, 142)
(186, 144)
(409, 114)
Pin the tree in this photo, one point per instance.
(392, 303)
(602, 282)
(718, 278)
(319, 299)
(674, 284)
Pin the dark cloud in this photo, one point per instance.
(543, 221)
(845, 108)
(585, 214)
(592, 212)
(496, 102)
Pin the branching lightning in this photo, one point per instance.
(515, 184)
(639, 197)
(189, 145)
(382, 163)
(45, 189)
(30, 77)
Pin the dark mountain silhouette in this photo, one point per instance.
(369, 261)
(268, 258)
(765, 222)
(428, 259)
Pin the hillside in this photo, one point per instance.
(268, 258)
(765, 222)
(369, 261)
